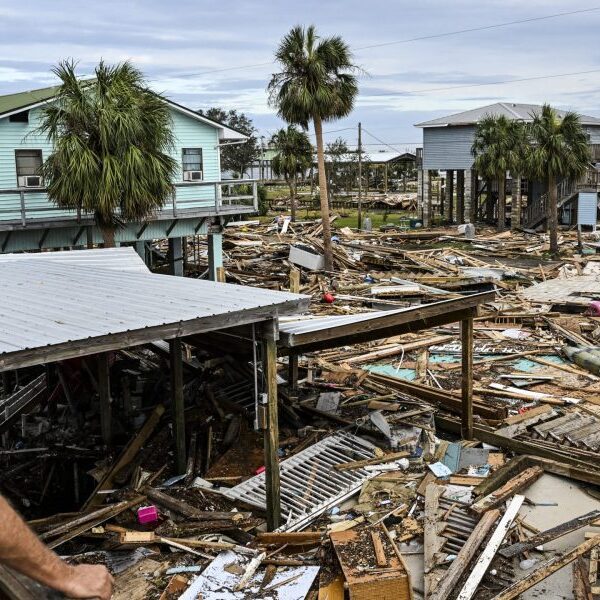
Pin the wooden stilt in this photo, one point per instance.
(466, 330)
(293, 372)
(177, 403)
(104, 397)
(272, 427)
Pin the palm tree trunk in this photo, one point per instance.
(293, 188)
(515, 209)
(552, 214)
(108, 235)
(501, 202)
(327, 251)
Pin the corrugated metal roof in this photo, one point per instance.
(115, 259)
(511, 110)
(49, 301)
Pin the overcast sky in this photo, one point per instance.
(204, 54)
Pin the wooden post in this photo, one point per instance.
(295, 280)
(104, 397)
(450, 195)
(178, 408)
(176, 256)
(460, 196)
(272, 426)
(215, 254)
(293, 372)
(466, 330)
(385, 179)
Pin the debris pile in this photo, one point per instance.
(380, 495)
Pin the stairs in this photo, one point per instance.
(534, 214)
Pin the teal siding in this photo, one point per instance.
(188, 133)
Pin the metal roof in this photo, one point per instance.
(13, 103)
(328, 332)
(116, 259)
(383, 156)
(511, 110)
(55, 308)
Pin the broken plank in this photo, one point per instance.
(380, 557)
(117, 509)
(482, 564)
(516, 484)
(185, 509)
(127, 455)
(582, 590)
(545, 570)
(551, 534)
(292, 538)
(358, 464)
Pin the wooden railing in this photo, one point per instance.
(535, 211)
(27, 207)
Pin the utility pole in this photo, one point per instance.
(359, 176)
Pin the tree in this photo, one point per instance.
(316, 83)
(111, 136)
(338, 154)
(497, 150)
(558, 149)
(237, 158)
(293, 158)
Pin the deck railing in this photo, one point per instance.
(214, 196)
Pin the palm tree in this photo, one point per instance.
(559, 149)
(497, 149)
(293, 158)
(110, 137)
(317, 84)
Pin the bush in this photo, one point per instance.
(263, 203)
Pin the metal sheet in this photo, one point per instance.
(57, 300)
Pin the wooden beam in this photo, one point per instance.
(127, 455)
(516, 484)
(271, 433)
(545, 570)
(141, 230)
(176, 364)
(551, 534)
(78, 235)
(466, 331)
(171, 227)
(482, 564)
(43, 238)
(442, 312)
(104, 397)
(293, 372)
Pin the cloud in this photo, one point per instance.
(180, 45)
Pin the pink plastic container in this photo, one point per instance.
(147, 514)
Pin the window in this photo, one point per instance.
(20, 117)
(191, 161)
(29, 162)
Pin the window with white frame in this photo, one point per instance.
(191, 161)
(29, 164)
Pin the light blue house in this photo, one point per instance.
(447, 143)
(202, 203)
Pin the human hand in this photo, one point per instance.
(88, 581)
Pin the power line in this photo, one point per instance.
(381, 141)
(482, 28)
(468, 85)
(414, 39)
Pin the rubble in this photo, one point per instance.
(375, 475)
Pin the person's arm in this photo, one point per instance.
(25, 553)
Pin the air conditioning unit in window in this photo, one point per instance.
(30, 181)
(192, 176)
